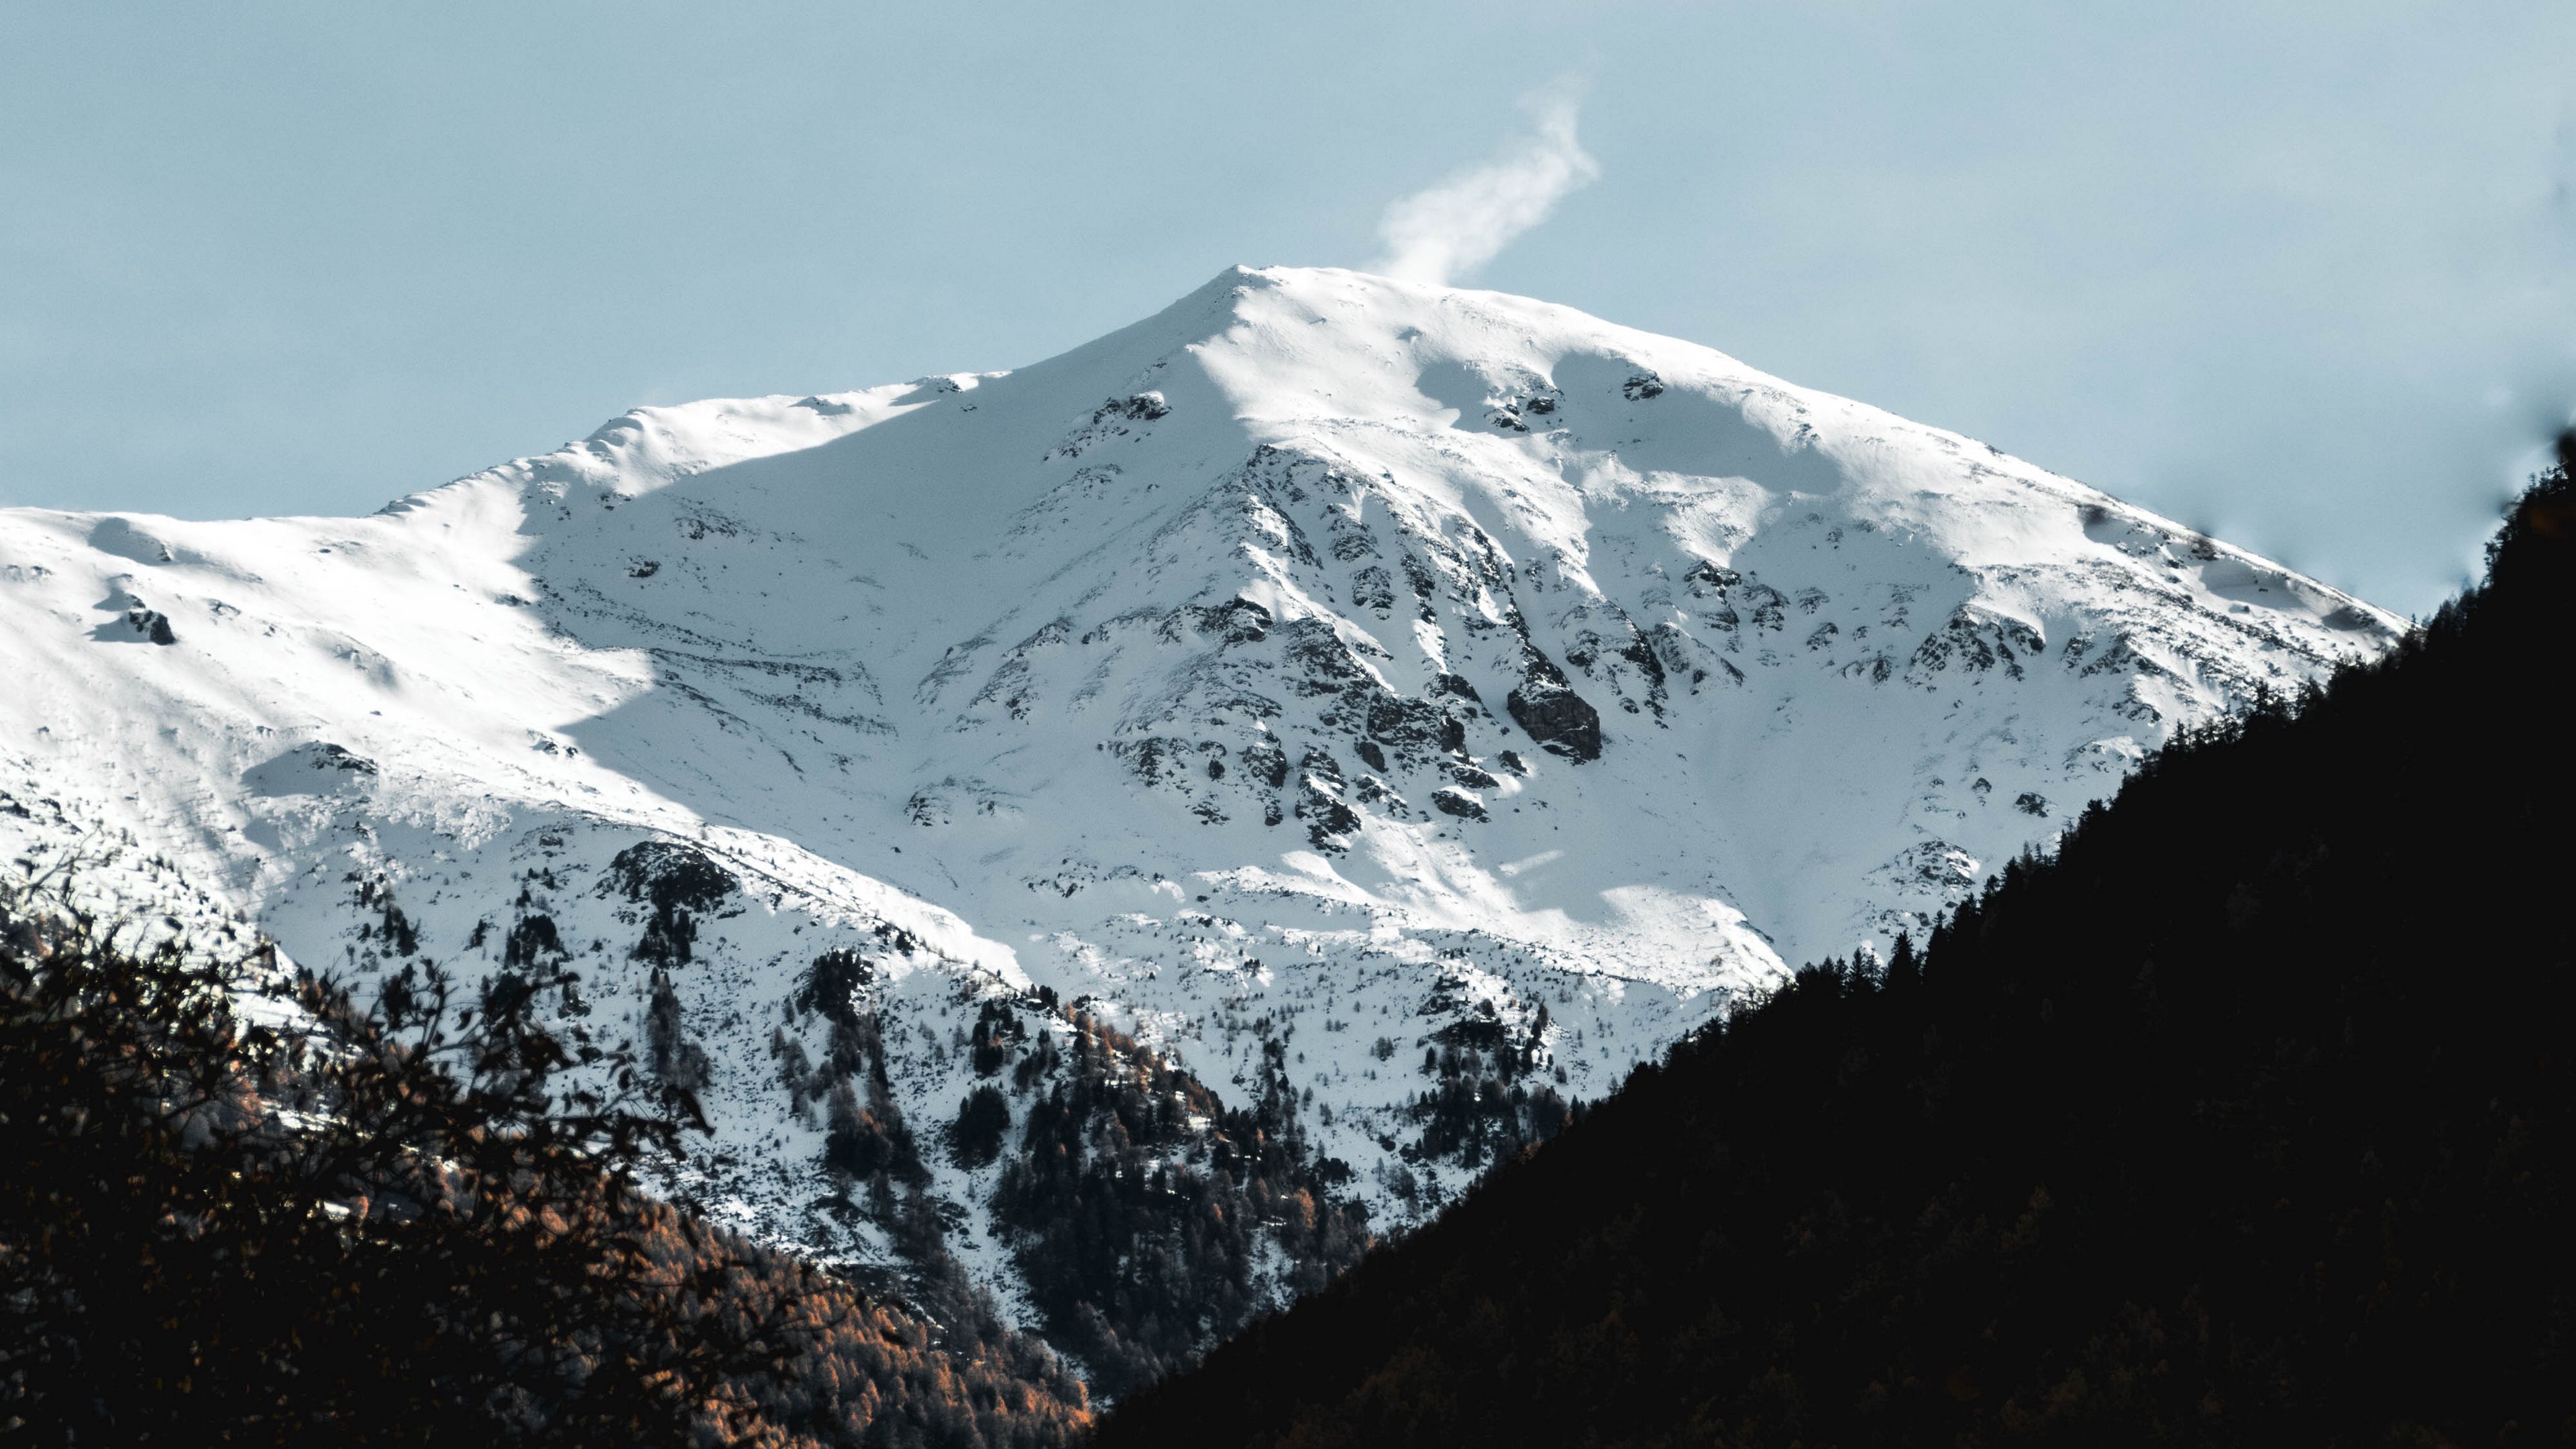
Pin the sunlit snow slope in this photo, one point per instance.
(1326, 649)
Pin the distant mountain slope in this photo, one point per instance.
(2249, 1118)
(1323, 674)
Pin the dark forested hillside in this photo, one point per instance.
(2245, 1118)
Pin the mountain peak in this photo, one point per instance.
(1323, 670)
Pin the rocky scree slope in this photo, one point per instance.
(1340, 720)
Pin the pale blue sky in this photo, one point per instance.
(2299, 274)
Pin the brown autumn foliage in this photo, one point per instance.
(242, 1208)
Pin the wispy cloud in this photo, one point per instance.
(1450, 230)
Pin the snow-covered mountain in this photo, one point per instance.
(1322, 663)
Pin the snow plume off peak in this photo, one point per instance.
(1459, 225)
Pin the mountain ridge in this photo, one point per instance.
(1326, 666)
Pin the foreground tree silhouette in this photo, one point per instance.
(311, 1221)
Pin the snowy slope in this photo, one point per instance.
(1313, 661)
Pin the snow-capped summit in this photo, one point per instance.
(1320, 661)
